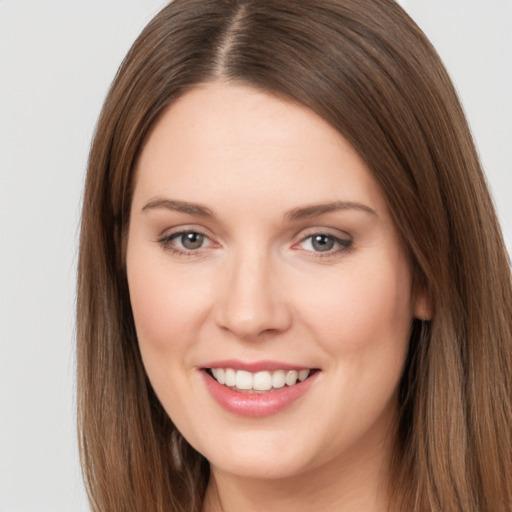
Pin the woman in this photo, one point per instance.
(293, 289)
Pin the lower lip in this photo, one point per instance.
(257, 405)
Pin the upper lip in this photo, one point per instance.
(255, 366)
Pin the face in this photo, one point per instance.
(272, 297)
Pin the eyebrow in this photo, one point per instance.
(178, 206)
(299, 213)
(319, 209)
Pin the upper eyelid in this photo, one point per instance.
(318, 230)
(169, 232)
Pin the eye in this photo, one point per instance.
(185, 242)
(190, 240)
(324, 243)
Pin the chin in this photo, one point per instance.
(259, 468)
(259, 455)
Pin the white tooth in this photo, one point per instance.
(291, 377)
(214, 373)
(230, 377)
(221, 375)
(243, 379)
(278, 379)
(303, 375)
(262, 381)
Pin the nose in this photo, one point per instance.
(252, 301)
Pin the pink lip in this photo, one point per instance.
(256, 405)
(256, 366)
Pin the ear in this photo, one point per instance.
(423, 309)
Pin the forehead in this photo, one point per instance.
(224, 141)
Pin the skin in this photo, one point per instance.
(258, 289)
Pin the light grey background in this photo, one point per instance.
(57, 58)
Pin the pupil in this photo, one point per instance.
(192, 240)
(323, 243)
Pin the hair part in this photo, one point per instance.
(368, 70)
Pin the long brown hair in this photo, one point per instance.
(367, 69)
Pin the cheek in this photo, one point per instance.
(152, 305)
(165, 309)
(166, 305)
(362, 308)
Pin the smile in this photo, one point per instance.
(263, 381)
(257, 389)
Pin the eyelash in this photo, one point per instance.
(341, 245)
(168, 242)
